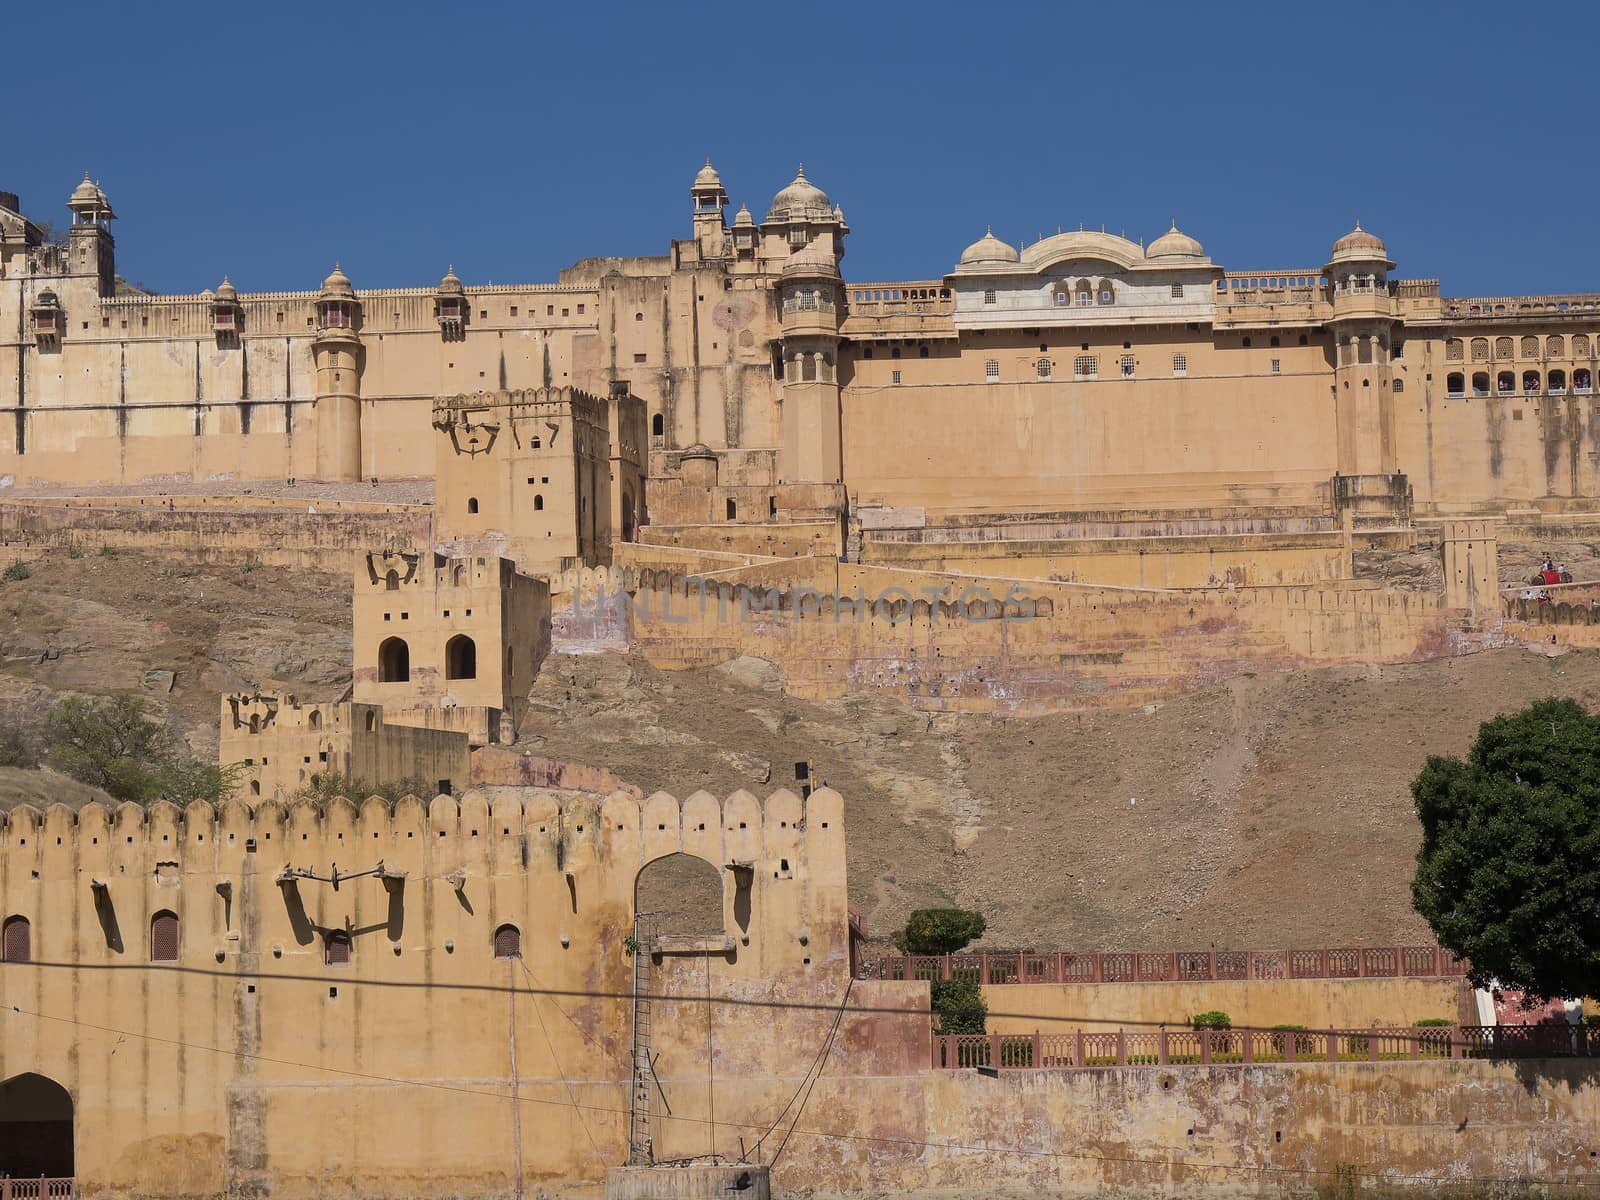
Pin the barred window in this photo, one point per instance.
(1454, 350)
(17, 943)
(1530, 347)
(1277, 366)
(988, 295)
(507, 942)
(1180, 364)
(1399, 385)
(164, 937)
(336, 948)
(1043, 367)
(1580, 345)
(991, 369)
(1085, 366)
(1127, 365)
(1177, 291)
(1480, 349)
(1503, 348)
(1556, 346)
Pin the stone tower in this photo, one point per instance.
(91, 250)
(709, 202)
(1368, 481)
(803, 236)
(338, 355)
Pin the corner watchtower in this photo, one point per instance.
(91, 250)
(337, 351)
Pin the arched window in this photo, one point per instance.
(472, 504)
(458, 575)
(1503, 348)
(684, 893)
(1580, 379)
(1480, 349)
(372, 721)
(1364, 350)
(1556, 384)
(391, 581)
(508, 942)
(1453, 350)
(538, 503)
(164, 937)
(394, 661)
(314, 719)
(658, 425)
(255, 787)
(1530, 382)
(461, 658)
(1580, 345)
(1480, 383)
(1084, 291)
(16, 940)
(1455, 384)
(1530, 347)
(1555, 346)
(1063, 293)
(1107, 292)
(1505, 382)
(336, 948)
(733, 510)
(808, 367)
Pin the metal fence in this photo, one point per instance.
(1088, 1050)
(993, 967)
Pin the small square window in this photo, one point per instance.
(1180, 364)
(1277, 366)
(991, 369)
(988, 295)
(897, 376)
(1177, 291)
(1085, 366)
(580, 307)
(1127, 366)
(513, 310)
(638, 358)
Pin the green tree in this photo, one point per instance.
(1508, 874)
(959, 1005)
(110, 743)
(939, 931)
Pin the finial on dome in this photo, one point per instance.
(800, 171)
(1358, 223)
(1174, 222)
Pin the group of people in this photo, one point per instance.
(1550, 574)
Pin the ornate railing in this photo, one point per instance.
(1513, 306)
(1096, 1049)
(41, 1188)
(1165, 966)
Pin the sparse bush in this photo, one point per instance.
(108, 551)
(74, 551)
(331, 785)
(939, 931)
(17, 570)
(1215, 1019)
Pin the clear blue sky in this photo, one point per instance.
(267, 140)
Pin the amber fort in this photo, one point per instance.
(1090, 472)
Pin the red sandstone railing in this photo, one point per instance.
(1182, 966)
(1097, 1049)
(41, 1188)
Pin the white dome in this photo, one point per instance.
(1175, 244)
(988, 248)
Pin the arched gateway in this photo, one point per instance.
(36, 1131)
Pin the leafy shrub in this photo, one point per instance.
(1215, 1019)
(939, 931)
(74, 551)
(17, 570)
(1434, 1022)
(959, 1006)
(108, 551)
(110, 743)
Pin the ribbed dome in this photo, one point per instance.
(988, 248)
(337, 283)
(802, 200)
(226, 290)
(707, 177)
(1359, 244)
(743, 217)
(451, 282)
(1175, 244)
(86, 193)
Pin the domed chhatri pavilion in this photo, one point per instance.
(787, 404)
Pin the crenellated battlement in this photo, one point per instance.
(619, 828)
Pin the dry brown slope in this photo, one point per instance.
(1271, 811)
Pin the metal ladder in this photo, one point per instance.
(641, 1148)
